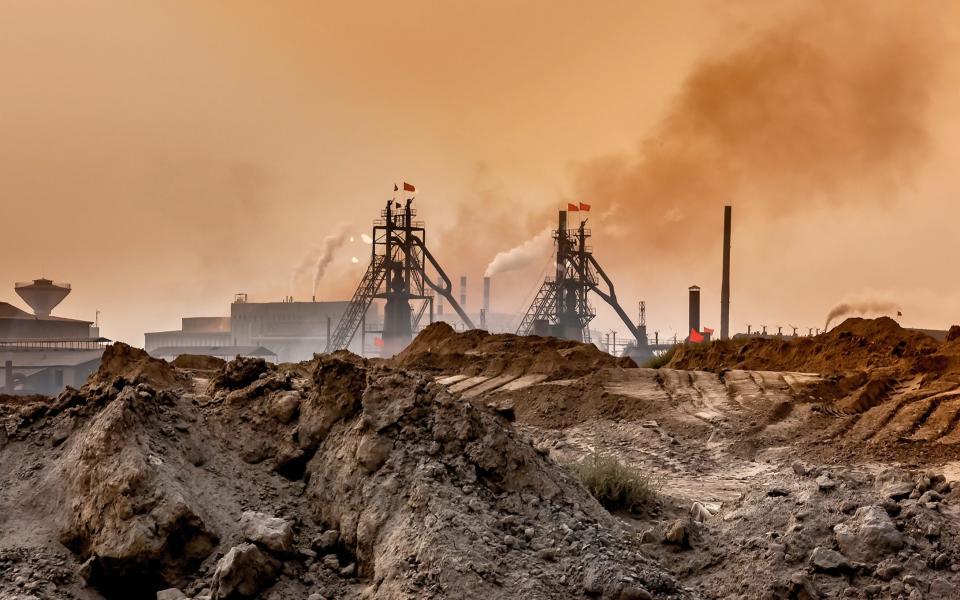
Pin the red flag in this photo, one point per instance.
(378, 342)
(395, 188)
(409, 187)
(572, 207)
(584, 206)
(708, 331)
(695, 336)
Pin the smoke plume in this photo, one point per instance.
(303, 267)
(828, 108)
(520, 256)
(330, 245)
(862, 307)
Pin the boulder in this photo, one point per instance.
(326, 540)
(284, 407)
(272, 533)
(699, 512)
(373, 450)
(828, 560)
(894, 483)
(171, 594)
(677, 534)
(243, 572)
(122, 502)
(825, 483)
(869, 535)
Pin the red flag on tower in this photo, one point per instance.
(378, 342)
(395, 188)
(584, 206)
(695, 336)
(409, 187)
(572, 207)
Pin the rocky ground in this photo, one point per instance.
(834, 483)
(441, 474)
(336, 478)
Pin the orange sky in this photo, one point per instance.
(163, 156)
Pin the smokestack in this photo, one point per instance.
(463, 292)
(486, 294)
(439, 305)
(725, 284)
(694, 308)
(8, 376)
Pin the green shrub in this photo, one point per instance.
(660, 361)
(614, 484)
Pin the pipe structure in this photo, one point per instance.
(486, 294)
(694, 308)
(725, 284)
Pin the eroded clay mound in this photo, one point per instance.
(853, 345)
(440, 349)
(133, 365)
(198, 362)
(333, 477)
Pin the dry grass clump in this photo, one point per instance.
(662, 360)
(613, 484)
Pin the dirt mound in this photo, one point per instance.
(439, 349)
(133, 365)
(855, 344)
(21, 400)
(240, 372)
(337, 477)
(198, 362)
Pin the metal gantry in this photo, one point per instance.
(397, 273)
(562, 306)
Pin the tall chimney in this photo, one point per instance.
(486, 294)
(725, 284)
(439, 305)
(463, 292)
(694, 308)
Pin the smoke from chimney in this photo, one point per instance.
(330, 245)
(302, 268)
(860, 308)
(519, 257)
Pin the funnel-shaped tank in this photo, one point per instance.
(42, 295)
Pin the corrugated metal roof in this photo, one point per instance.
(9, 311)
(60, 358)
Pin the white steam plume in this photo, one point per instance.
(330, 245)
(520, 256)
(303, 267)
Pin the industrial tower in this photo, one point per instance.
(561, 308)
(397, 273)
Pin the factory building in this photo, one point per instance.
(285, 331)
(41, 353)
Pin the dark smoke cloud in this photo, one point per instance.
(861, 307)
(830, 107)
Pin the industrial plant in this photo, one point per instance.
(42, 353)
(397, 273)
(284, 331)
